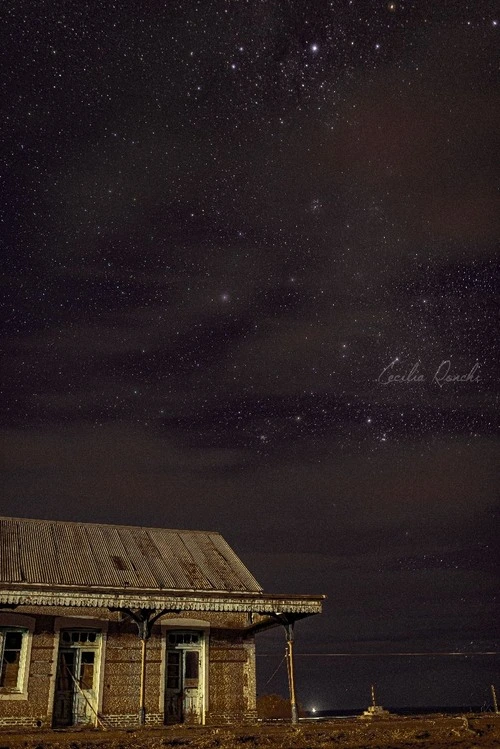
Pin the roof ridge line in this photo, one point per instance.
(110, 525)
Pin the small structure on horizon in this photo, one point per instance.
(374, 711)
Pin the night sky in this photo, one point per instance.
(226, 227)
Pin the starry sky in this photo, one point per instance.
(250, 285)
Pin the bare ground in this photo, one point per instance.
(426, 732)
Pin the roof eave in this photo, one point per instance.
(212, 601)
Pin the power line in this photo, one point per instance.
(381, 655)
(275, 671)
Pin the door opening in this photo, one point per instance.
(184, 678)
(75, 700)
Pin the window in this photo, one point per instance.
(12, 651)
(183, 638)
(76, 637)
(173, 669)
(191, 667)
(87, 662)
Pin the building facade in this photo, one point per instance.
(117, 626)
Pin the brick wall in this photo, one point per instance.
(20, 722)
(231, 696)
(34, 711)
(231, 675)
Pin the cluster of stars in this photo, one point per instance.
(217, 240)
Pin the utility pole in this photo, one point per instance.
(291, 672)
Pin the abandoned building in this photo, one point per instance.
(118, 626)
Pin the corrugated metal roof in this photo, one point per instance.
(89, 555)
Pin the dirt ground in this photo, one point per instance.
(426, 732)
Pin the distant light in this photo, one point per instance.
(314, 710)
(314, 48)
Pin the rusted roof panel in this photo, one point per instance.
(38, 553)
(89, 555)
(225, 559)
(10, 560)
(146, 565)
(180, 562)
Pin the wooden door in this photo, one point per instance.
(75, 699)
(184, 684)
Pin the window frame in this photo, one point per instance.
(25, 625)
